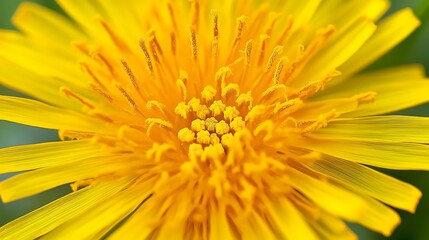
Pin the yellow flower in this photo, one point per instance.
(207, 120)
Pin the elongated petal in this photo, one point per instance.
(398, 129)
(390, 32)
(101, 218)
(329, 197)
(389, 85)
(48, 217)
(45, 155)
(385, 155)
(289, 221)
(369, 182)
(38, 114)
(33, 182)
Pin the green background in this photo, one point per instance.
(414, 50)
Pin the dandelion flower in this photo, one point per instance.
(211, 119)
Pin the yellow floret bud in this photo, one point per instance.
(230, 113)
(208, 93)
(227, 139)
(186, 135)
(202, 111)
(217, 107)
(245, 98)
(194, 103)
(211, 124)
(203, 137)
(222, 127)
(255, 112)
(214, 138)
(237, 124)
(182, 110)
(198, 125)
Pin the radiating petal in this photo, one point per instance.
(48, 217)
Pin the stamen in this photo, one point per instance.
(248, 51)
(153, 49)
(173, 43)
(127, 96)
(229, 88)
(172, 17)
(88, 70)
(130, 74)
(105, 62)
(272, 58)
(368, 97)
(155, 104)
(70, 93)
(194, 45)
(208, 93)
(113, 35)
(241, 24)
(215, 41)
(182, 110)
(195, 13)
(181, 84)
(157, 121)
(321, 122)
(279, 69)
(146, 54)
(264, 42)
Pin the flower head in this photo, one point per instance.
(211, 119)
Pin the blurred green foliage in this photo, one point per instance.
(413, 50)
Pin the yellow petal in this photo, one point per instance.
(396, 89)
(33, 182)
(289, 221)
(21, 51)
(410, 156)
(256, 228)
(219, 226)
(43, 88)
(33, 113)
(390, 32)
(332, 199)
(335, 52)
(348, 11)
(48, 217)
(138, 225)
(369, 182)
(28, 157)
(101, 218)
(39, 22)
(379, 217)
(378, 128)
(331, 227)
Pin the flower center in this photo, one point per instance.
(215, 123)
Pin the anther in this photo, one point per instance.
(248, 51)
(173, 43)
(264, 43)
(147, 56)
(194, 43)
(130, 73)
(272, 58)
